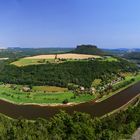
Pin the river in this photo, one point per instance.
(93, 108)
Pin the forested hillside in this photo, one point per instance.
(88, 49)
(133, 55)
(78, 72)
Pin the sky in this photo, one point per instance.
(68, 23)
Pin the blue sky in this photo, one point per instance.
(67, 23)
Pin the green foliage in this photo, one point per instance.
(14, 94)
(72, 86)
(78, 126)
(65, 101)
(88, 49)
(96, 83)
(79, 73)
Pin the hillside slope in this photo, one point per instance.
(88, 49)
(132, 55)
(78, 72)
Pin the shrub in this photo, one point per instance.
(65, 101)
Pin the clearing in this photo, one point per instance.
(45, 95)
(64, 56)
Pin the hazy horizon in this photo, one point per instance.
(65, 48)
(68, 23)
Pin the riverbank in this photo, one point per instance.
(63, 98)
(41, 98)
(43, 104)
(32, 112)
(76, 102)
(124, 107)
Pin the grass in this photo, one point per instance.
(127, 78)
(26, 62)
(49, 89)
(53, 94)
(43, 59)
(19, 97)
(110, 59)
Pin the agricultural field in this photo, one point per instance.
(64, 56)
(110, 59)
(26, 62)
(52, 58)
(41, 95)
(49, 89)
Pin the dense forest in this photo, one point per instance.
(78, 72)
(80, 126)
(88, 49)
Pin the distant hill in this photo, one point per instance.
(17, 52)
(88, 49)
(122, 51)
(132, 55)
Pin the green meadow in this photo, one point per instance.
(41, 97)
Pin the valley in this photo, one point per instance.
(50, 86)
(69, 70)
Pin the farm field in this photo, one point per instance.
(49, 89)
(41, 95)
(64, 56)
(26, 62)
(43, 59)
(110, 59)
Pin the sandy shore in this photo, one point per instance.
(43, 104)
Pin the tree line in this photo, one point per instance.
(81, 73)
